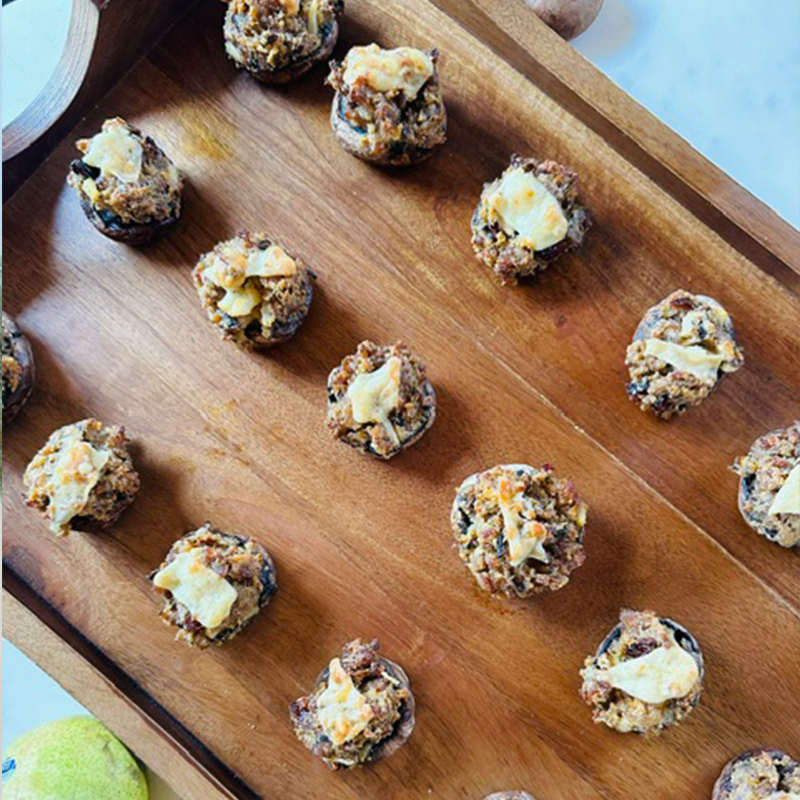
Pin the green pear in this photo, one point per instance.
(74, 758)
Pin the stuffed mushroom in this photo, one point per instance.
(528, 217)
(680, 352)
(213, 584)
(83, 478)
(388, 107)
(518, 529)
(769, 486)
(510, 795)
(253, 290)
(380, 400)
(360, 710)
(761, 774)
(127, 186)
(646, 676)
(279, 40)
(18, 369)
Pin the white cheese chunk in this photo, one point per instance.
(692, 321)
(783, 796)
(342, 710)
(665, 673)
(787, 501)
(240, 302)
(75, 473)
(527, 211)
(312, 17)
(90, 189)
(693, 359)
(404, 69)
(525, 538)
(115, 151)
(375, 395)
(234, 264)
(273, 262)
(205, 593)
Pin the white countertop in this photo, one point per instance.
(725, 74)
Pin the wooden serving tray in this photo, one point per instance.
(524, 374)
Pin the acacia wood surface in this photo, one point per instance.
(523, 374)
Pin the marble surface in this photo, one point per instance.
(725, 74)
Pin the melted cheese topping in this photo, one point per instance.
(693, 359)
(375, 395)
(90, 189)
(527, 211)
(206, 594)
(234, 264)
(75, 473)
(273, 262)
(525, 538)
(665, 673)
(312, 17)
(787, 501)
(342, 710)
(240, 302)
(783, 796)
(404, 69)
(116, 152)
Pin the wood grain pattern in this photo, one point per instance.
(532, 373)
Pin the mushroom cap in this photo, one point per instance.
(350, 140)
(136, 234)
(568, 18)
(24, 355)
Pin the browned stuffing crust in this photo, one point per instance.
(18, 368)
(243, 562)
(134, 212)
(638, 633)
(763, 471)
(758, 775)
(388, 128)
(276, 42)
(112, 494)
(501, 252)
(414, 414)
(387, 690)
(480, 532)
(658, 386)
(284, 300)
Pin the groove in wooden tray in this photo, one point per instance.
(527, 374)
